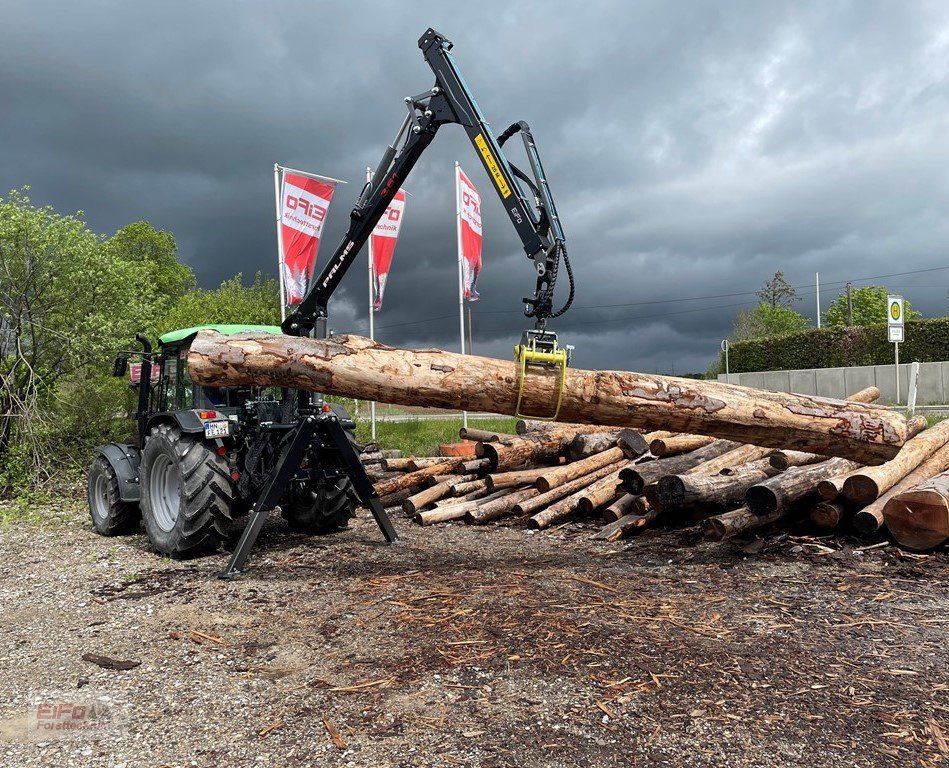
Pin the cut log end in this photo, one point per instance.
(861, 489)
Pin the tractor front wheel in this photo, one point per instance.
(187, 493)
(110, 515)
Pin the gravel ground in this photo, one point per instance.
(472, 647)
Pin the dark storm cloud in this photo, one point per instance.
(693, 148)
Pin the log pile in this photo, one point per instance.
(625, 480)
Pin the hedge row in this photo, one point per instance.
(926, 341)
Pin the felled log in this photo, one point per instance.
(415, 463)
(600, 493)
(738, 521)
(634, 479)
(415, 478)
(499, 507)
(527, 426)
(672, 446)
(865, 485)
(830, 487)
(627, 504)
(497, 480)
(528, 506)
(781, 491)
(919, 518)
(584, 445)
(482, 435)
(477, 493)
(352, 366)
(460, 489)
(870, 518)
(560, 475)
(685, 491)
(399, 464)
(432, 494)
(529, 449)
(396, 498)
(786, 459)
(450, 512)
(828, 514)
(624, 526)
(732, 461)
(633, 443)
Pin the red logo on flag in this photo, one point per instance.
(470, 223)
(303, 208)
(384, 238)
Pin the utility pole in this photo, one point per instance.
(849, 305)
(817, 293)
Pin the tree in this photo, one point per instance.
(765, 320)
(232, 302)
(777, 292)
(69, 299)
(869, 307)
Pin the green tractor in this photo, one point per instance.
(203, 456)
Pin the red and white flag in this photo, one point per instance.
(384, 238)
(303, 204)
(469, 237)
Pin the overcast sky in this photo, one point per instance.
(693, 148)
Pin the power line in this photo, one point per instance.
(824, 287)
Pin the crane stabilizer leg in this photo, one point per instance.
(288, 466)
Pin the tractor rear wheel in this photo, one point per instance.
(187, 493)
(320, 507)
(110, 515)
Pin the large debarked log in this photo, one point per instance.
(352, 366)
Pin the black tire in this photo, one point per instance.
(110, 515)
(319, 508)
(187, 493)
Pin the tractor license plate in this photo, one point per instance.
(216, 429)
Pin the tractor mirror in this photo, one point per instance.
(120, 366)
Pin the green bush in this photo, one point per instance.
(926, 341)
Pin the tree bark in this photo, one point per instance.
(870, 518)
(566, 473)
(624, 505)
(634, 479)
(781, 491)
(542, 500)
(738, 521)
(415, 463)
(686, 491)
(867, 484)
(919, 518)
(673, 446)
(351, 366)
(585, 445)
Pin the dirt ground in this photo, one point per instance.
(475, 647)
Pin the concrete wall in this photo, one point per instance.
(932, 388)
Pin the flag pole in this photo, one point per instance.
(277, 196)
(461, 279)
(372, 322)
